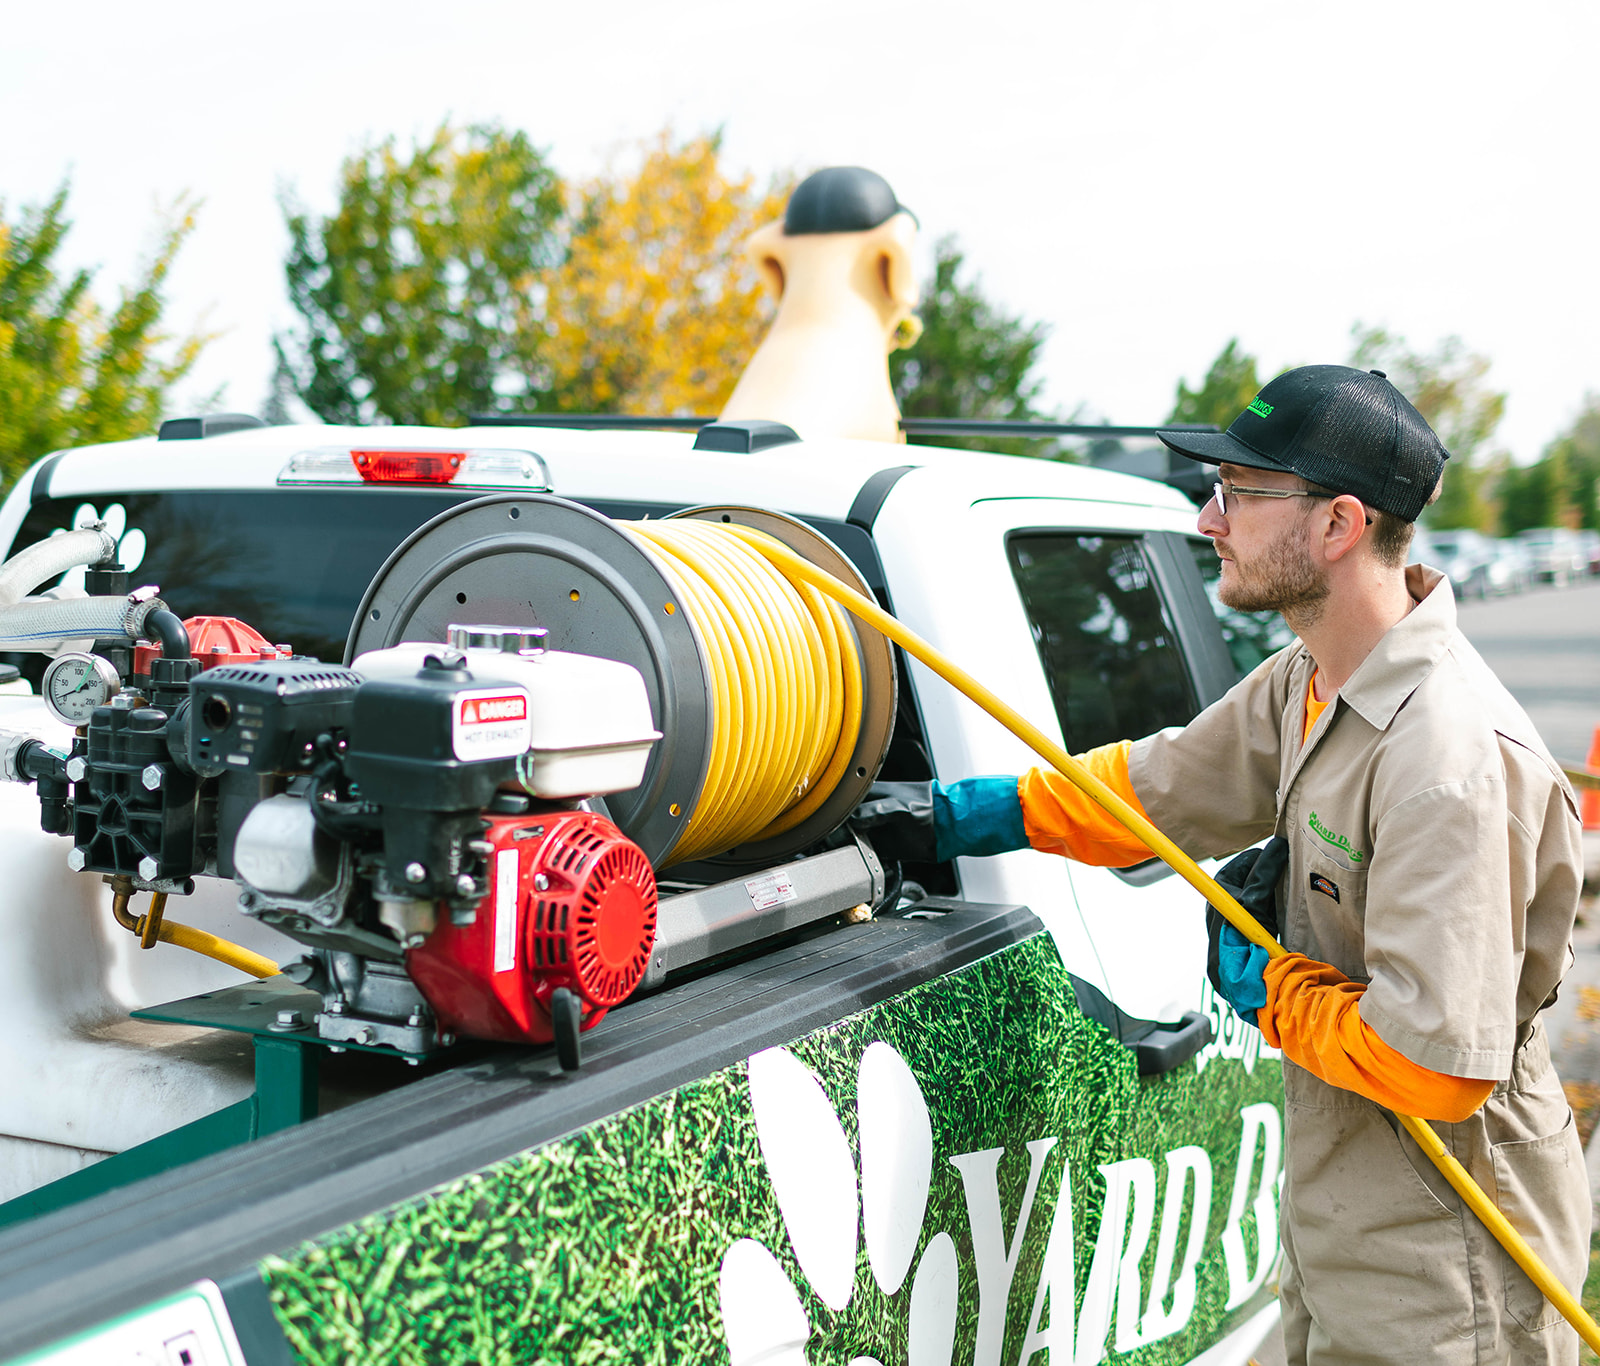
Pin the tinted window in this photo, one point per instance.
(1105, 636)
(293, 563)
(1251, 636)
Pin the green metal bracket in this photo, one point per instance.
(285, 1095)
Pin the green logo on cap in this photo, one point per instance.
(1259, 408)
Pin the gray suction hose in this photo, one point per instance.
(27, 569)
(45, 625)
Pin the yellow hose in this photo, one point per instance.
(234, 955)
(153, 926)
(786, 684)
(796, 567)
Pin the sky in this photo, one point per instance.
(1147, 178)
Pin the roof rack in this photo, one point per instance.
(593, 421)
(911, 426)
(961, 426)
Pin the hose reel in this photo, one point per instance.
(775, 706)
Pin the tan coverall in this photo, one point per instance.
(1434, 855)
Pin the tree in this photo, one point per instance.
(654, 310)
(1224, 393)
(421, 295)
(973, 360)
(1579, 448)
(1562, 487)
(1530, 495)
(1448, 386)
(71, 373)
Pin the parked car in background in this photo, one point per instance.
(1555, 554)
(1507, 570)
(1591, 550)
(1465, 556)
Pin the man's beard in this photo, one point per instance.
(1282, 578)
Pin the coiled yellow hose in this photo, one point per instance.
(1459, 1178)
(786, 688)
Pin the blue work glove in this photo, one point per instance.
(977, 816)
(1241, 966)
(1233, 963)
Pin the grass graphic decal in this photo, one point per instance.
(906, 1186)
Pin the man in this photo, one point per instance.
(1433, 872)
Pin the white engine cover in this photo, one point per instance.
(590, 722)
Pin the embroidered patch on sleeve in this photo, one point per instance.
(1327, 886)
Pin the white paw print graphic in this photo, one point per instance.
(813, 1174)
(130, 543)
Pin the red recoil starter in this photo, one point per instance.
(572, 903)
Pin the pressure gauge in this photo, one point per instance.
(75, 684)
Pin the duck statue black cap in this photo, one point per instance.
(841, 199)
(1348, 430)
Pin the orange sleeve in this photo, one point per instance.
(1313, 1014)
(1060, 819)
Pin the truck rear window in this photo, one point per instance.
(293, 563)
(1105, 636)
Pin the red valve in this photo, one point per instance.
(216, 641)
(572, 903)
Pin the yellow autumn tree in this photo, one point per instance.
(654, 310)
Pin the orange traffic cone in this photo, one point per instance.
(1591, 796)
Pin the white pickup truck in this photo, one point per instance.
(852, 1110)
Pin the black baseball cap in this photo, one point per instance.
(1349, 430)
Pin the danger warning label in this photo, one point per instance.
(492, 724)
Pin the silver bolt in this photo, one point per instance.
(76, 859)
(413, 1062)
(465, 885)
(446, 1039)
(151, 777)
(413, 941)
(77, 768)
(334, 1048)
(289, 1019)
(335, 1006)
(416, 1021)
(365, 1035)
(541, 882)
(415, 872)
(148, 868)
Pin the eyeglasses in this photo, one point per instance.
(1224, 488)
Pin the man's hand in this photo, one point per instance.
(931, 823)
(1241, 968)
(977, 816)
(1233, 963)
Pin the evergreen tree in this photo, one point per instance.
(973, 360)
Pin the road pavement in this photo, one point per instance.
(1544, 645)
